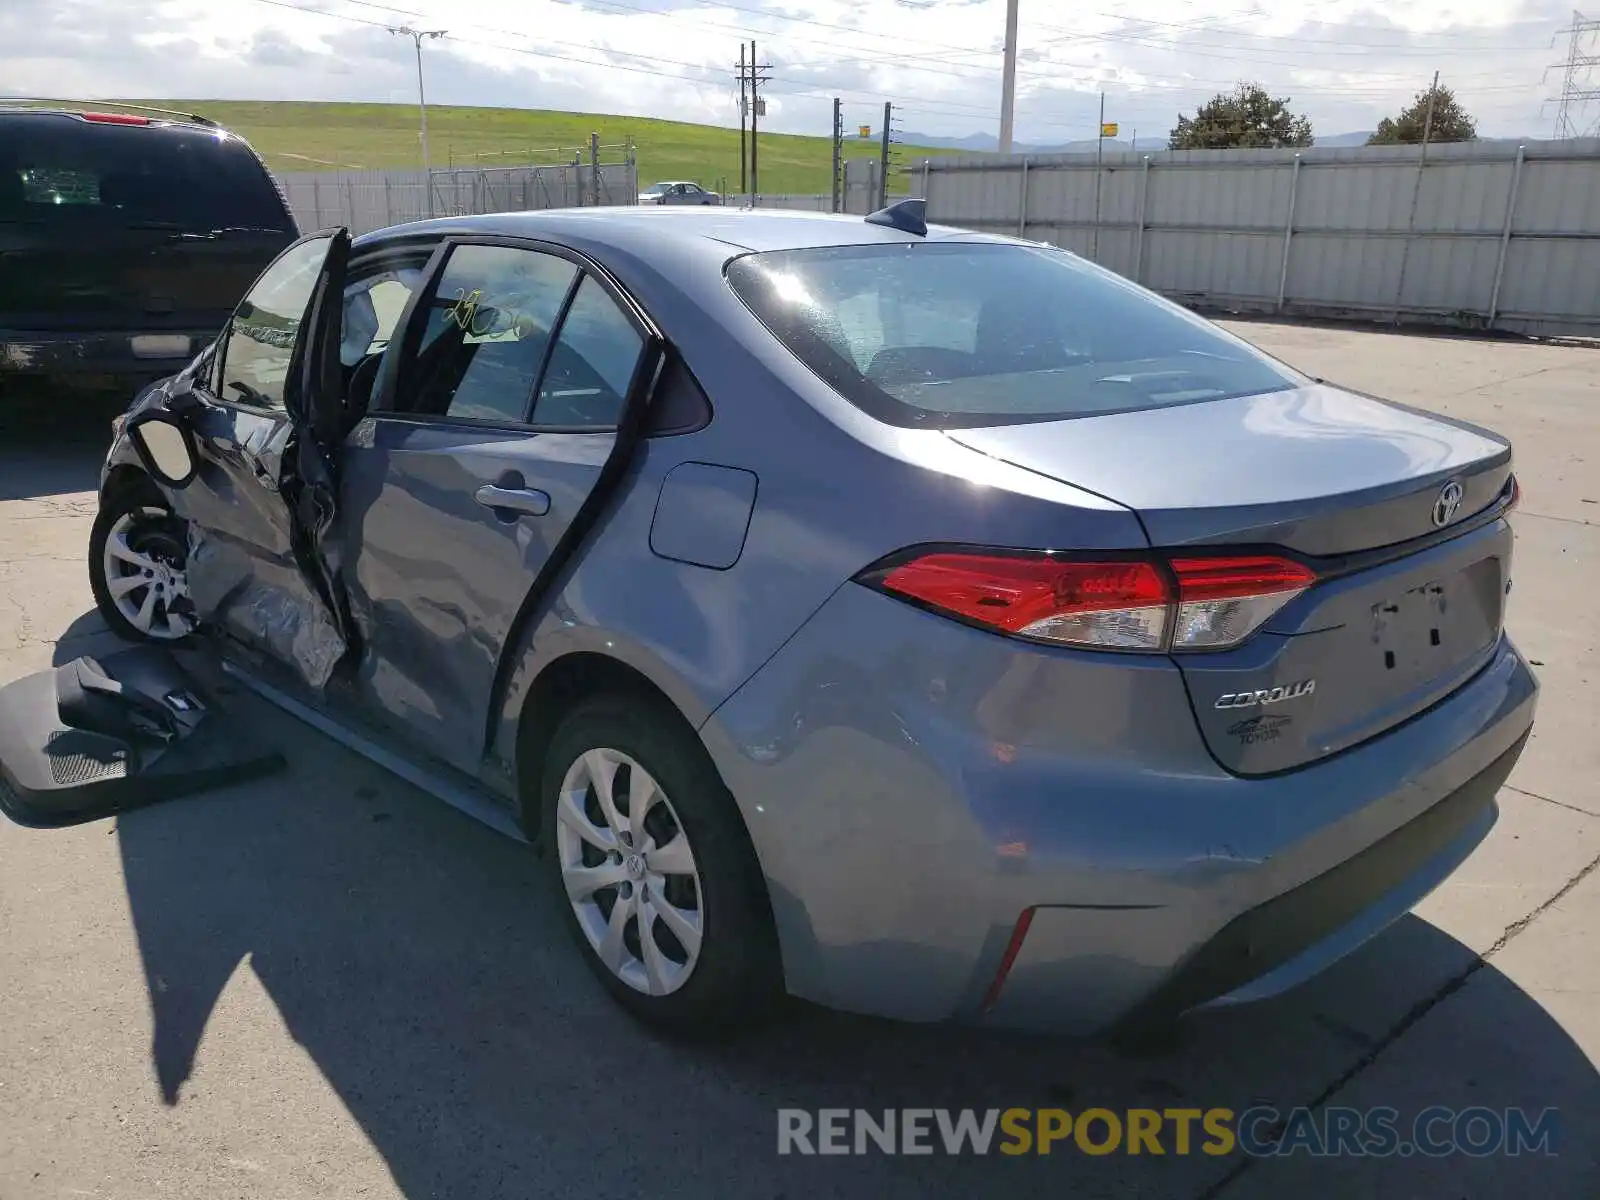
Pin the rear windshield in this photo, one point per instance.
(949, 334)
(67, 172)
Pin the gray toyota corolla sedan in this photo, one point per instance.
(922, 622)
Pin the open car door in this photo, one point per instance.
(262, 421)
(245, 445)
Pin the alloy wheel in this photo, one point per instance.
(629, 872)
(146, 553)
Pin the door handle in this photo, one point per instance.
(529, 501)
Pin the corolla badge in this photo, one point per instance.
(1448, 503)
(1264, 696)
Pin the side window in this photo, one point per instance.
(487, 332)
(372, 308)
(261, 337)
(593, 362)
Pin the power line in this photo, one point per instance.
(323, 13)
(959, 71)
(1150, 87)
(1313, 46)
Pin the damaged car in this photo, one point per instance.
(922, 622)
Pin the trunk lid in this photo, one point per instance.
(1403, 613)
(1317, 470)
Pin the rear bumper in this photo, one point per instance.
(100, 352)
(903, 839)
(1292, 937)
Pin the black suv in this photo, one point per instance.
(126, 239)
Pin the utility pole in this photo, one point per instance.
(1577, 88)
(1427, 120)
(838, 152)
(758, 76)
(1008, 78)
(1099, 145)
(416, 35)
(1416, 197)
(743, 78)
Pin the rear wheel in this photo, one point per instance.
(660, 884)
(138, 558)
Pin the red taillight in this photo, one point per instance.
(1115, 604)
(1190, 603)
(103, 118)
(1516, 494)
(1222, 601)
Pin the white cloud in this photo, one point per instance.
(1344, 62)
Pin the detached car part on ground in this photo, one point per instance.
(926, 623)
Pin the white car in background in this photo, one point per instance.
(678, 192)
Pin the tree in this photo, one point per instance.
(1450, 121)
(1246, 117)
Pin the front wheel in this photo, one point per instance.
(661, 885)
(138, 558)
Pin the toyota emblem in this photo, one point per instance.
(1448, 503)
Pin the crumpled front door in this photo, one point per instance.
(265, 411)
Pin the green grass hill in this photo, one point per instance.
(294, 136)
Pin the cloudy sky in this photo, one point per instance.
(1346, 63)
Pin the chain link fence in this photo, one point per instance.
(368, 200)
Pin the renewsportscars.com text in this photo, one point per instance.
(1260, 1131)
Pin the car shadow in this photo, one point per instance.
(53, 447)
(420, 961)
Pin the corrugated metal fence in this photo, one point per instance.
(368, 200)
(860, 193)
(1474, 234)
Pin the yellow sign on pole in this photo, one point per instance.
(1109, 129)
(866, 130)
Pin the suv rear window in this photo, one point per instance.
(950, 334)
(64, 171)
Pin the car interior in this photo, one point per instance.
(485, 367)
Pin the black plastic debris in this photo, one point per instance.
(97, 737)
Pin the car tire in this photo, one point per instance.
(138, 550)
(727, 976)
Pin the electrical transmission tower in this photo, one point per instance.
(1577, 88)
(838, 155)
(888, 157)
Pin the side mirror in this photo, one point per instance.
(165, 446)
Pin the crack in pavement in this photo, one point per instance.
(1553, 517)
(1558, 803)
(1417, 1012)
(1494, 383)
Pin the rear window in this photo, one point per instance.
(950, 334)
(64, 171)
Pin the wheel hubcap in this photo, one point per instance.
(629, 872)
(145, 556)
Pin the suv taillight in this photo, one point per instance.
(1193, 602)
